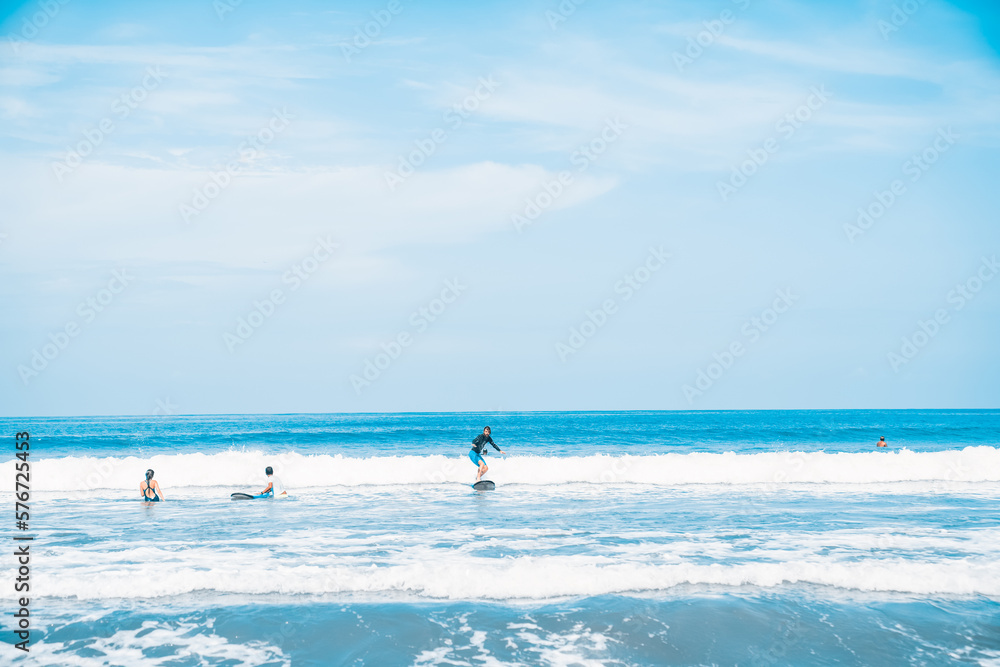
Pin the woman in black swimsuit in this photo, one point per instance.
(150, 489)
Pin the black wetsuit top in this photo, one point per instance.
(480, 442)
(149, 489)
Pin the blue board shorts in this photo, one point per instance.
(476, 457)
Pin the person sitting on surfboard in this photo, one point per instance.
(274, 485)
(476, 453)
(150, 489)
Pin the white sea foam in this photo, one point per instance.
(453, 564)
(464, 562)
(238, 469)
(143, 646)
(579, 646)
(525, 577)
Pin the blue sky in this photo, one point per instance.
(582, 149)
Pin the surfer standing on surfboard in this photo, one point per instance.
(476, 453)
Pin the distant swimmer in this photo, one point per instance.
(882, 442)
(150, 489)
(274, 486)
(476, 453)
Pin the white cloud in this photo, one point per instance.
(26, 76)
(283, 62)
(171, 100)
(13, 107)
(114, 213)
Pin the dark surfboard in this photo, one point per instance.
(241, 496)
(484, 485)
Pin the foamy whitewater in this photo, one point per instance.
(752, 538)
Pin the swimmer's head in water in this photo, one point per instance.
(149, 474)
(882, 438)
(268, 470)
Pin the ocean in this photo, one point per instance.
(612, 538)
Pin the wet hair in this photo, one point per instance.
(882, 438)
(268, 470)
(149, 474)
(488, 429)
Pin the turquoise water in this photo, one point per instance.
(751, 538)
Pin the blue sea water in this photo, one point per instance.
(620, 538)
